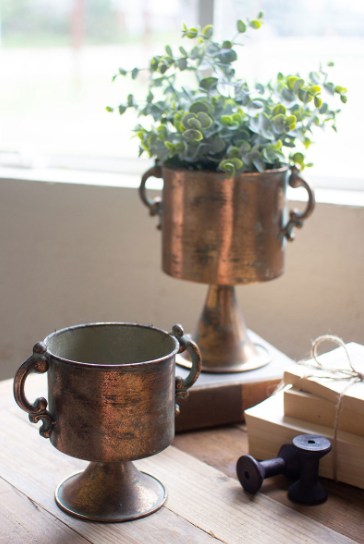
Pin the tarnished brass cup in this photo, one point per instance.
(223, 232)
(111, 393)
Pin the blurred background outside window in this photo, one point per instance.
(57, 59)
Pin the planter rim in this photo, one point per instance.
(222, 174)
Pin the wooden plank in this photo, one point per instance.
(203, 496)
(21, 520)
(30, 464)
(221, 448)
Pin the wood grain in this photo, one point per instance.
(199, 496)
(221, 448)
(22, 520)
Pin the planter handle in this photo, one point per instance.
(155, 206)
(36, 363)
(186, 344)
(296, 217)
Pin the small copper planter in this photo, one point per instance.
(111, 391)
(224, 232)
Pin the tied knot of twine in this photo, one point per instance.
(337, 374)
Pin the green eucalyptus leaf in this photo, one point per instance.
(157, 82)
(130, 100)
(204, 120)
(330, 88)
(314, 77)
(183, 51)
(170, 146)
(209, 83)
(255, 24)
(122, 109)
(194, 53)
(317, 101)
(134, 73)
(304, 96)
(192, 33)
(109, 108)
(343, 98)
(259, 164)
(187, 118)
(233, 152)
(291, 80)
(298, 84)
(228, 56)
(218, 144)
(260, 15)
(245, 147)
(227, 44)
(298, 158)
(238, 163)
(226, 120)
(199, 106)
(154, 63)
(279, 108)
(168, 50)
(180, 147)
(194, 135)
(182, 64)
(339, 89)
(241, 26)
(207, 31)
(278, 122)
(194, 123)
(122, 72)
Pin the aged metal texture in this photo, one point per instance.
(222, 336)
(111, 391)
(97, 493)
(225, 231)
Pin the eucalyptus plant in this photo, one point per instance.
(222, 124)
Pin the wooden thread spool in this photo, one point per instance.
(310, 448)
(252, 473)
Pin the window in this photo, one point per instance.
(57, 60)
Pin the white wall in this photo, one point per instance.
(73, 254)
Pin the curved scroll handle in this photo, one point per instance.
(296, 218)
(185, 343)
(155, 206)
(36, 363)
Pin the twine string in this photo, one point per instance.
(337, 374)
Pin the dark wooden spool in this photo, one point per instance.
(310, 448)
(252, 473)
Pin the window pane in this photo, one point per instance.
(296, 37)
(57, 60)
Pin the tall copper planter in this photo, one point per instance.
(111, 392)
(224, 232)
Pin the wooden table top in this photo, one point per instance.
(205, 501)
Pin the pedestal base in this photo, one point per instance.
(222, 336)
(110, 492)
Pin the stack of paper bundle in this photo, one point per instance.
(308, 405)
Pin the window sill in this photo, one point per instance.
(132, 180)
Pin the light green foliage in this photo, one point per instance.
(222, 124)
